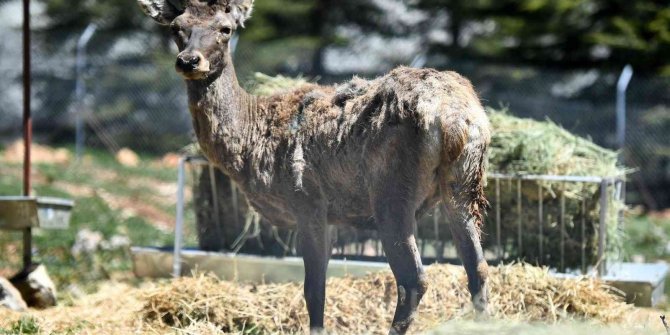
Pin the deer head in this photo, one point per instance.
(201, 29)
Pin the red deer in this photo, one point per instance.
(381, 152)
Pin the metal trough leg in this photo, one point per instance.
(583, 223)
(27, 248)
(540, 215)
(519, 218)
(499, 252)
(562, 218)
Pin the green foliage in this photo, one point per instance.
(279, 19)
(637, 31)
(647, 236)
(565, 32)
(115, 14)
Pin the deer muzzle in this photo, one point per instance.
(192, 65)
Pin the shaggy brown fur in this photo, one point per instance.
(367, 153)
(314, 115)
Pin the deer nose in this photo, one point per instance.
(188, 62)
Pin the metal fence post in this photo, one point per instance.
(215, 202)
(602, 234)
(562, 222)
(176, 261)
(27, 129)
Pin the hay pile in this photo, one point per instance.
(111, 310)
(262, 84)
(365, 305)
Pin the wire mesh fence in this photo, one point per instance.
(130, 96)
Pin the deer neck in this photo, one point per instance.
(221, 111)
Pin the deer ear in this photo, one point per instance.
(162, 11)
(242, 11)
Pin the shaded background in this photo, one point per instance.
(555, 59)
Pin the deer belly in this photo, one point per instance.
(353, 210)
(273, 210)
(349, 203)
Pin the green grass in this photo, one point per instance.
(100, 173)
(25, 325)
(648, 237)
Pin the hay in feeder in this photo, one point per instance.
(365, 305)
(262, 84)
(526, 146)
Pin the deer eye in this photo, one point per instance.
(227, 10)
(226, 30)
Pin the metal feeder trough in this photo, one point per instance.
(18, 212)
(158, 263)
(643, 283)
(54, 213)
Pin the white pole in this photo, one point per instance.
(621, 87)
(80, 85)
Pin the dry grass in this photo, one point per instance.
(113, 310)
(365, 305)
(205, 305)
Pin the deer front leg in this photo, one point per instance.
(315, 248)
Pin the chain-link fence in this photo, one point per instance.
(128, 94)
(133, 97)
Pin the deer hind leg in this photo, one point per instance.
(465, 230)
(396, 224)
